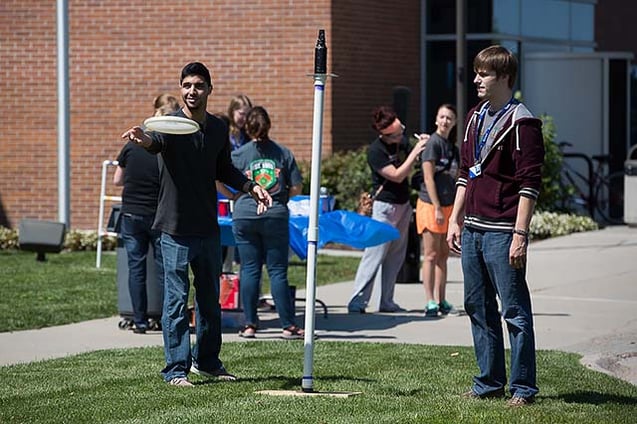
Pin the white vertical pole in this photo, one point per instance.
(320, 76)
(63, 112)
(100, 218)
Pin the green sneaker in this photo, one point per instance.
(447, 308)
(432, 309)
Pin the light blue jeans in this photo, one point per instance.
(387, 257)
(203, 254)
(487, 275)
(259, 240)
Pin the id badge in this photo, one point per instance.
(475, 171)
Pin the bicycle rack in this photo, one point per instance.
(101, 230)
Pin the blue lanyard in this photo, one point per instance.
(480, 142)
(235, 142)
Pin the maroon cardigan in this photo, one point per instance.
(512, 168)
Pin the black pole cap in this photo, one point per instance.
(320, 54)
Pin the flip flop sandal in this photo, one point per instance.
(248, 332)
(293, 333)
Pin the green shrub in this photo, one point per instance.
(553, 224)
(74, 240)
(87, 240)
(8, 238)
(552, 192)
(344, 174)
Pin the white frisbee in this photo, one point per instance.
(171, 125)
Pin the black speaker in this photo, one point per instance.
(115, 219)
(41, 236)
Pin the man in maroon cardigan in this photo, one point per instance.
(500, 175)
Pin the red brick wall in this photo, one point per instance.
(123, 53)
(375, 47)
(28, 151)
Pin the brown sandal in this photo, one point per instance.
(293, 333)
(248, 332)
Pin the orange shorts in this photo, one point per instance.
(426, 218)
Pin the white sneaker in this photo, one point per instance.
(181, 381)
(219, 373)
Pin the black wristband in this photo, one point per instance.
(249, 186)
(521, 233)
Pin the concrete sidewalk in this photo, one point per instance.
(584, 290)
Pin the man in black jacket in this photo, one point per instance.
(187, 219)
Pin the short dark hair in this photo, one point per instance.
(382, 117)
(498, 59)
(258, 123)
(196, 68)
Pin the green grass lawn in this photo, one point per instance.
(67, 287)
(399, 384)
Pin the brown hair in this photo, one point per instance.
(499, 59)
(452, 133)
(382, 117)
(165, 103)
(239, 101)
(258, 123)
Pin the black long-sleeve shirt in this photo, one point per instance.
(189, 166)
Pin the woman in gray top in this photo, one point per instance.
(264, 238)
(435, 201)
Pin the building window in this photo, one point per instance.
(582, 22)
(441, 16)
(545, 19)
(506, 16)
(441, 76)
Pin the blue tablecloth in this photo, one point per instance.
(225, 224)
(344, 227)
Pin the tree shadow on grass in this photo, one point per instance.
(594, 398)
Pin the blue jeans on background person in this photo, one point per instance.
(137, 234)
(258, 240)
(487, 274)
(203, 254)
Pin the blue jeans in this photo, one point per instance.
(137, 235)
(487, 274)
(258, 240)
(203, 254)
